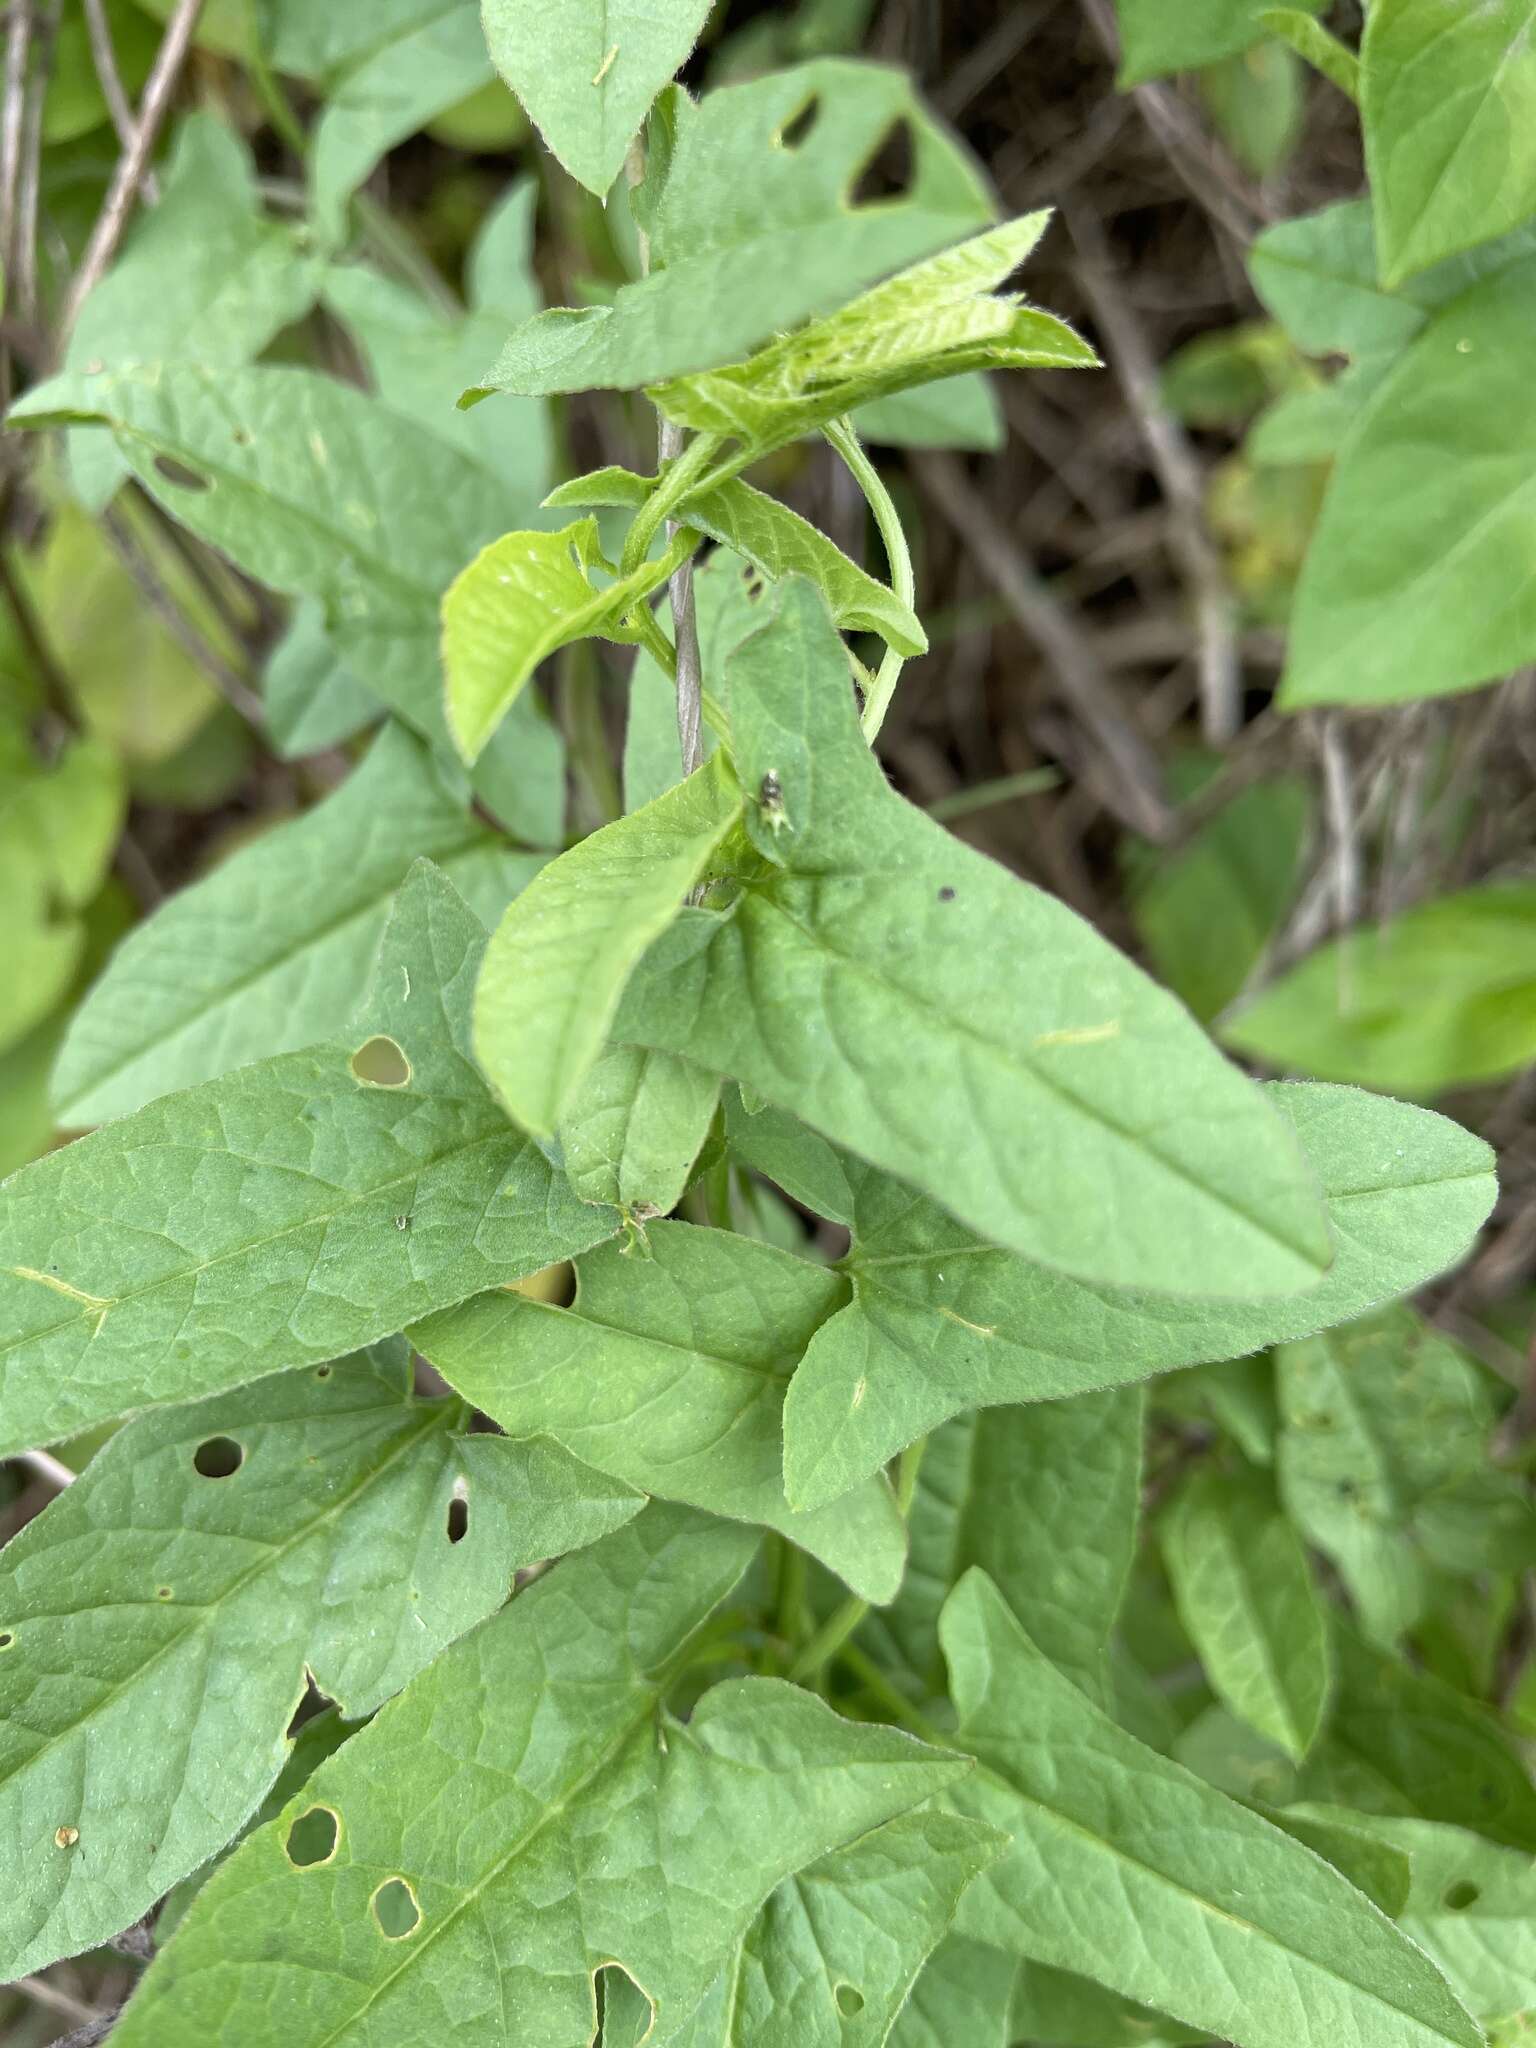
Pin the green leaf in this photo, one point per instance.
(631, 1132)
(1472, 1907)
(392, 89)
(205, 278)
(1053, 2005)
(587, 76)
(312, 487)
(1352, 1843)
(283, 1214)
(1385, 1429)
(1156, 38)
(1442, 996)
(179, 1594)
(1256, 101)
(754, 228)
(1449, 110)
(775, 540)
(831, 1957)
(960, 412)
(519, 600)
(938, 318)
(268, 952)
(1245, 1594)
(941, 1320)
(1321, 49)
(1403, 1743)
(1413, 585)
(556, 968)
(1045, 1500)
(669, 1372)
(964, 1994)
(875, 963)
(1201, 1909)
(313, 700)
(544, 1819)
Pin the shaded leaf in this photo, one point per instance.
(164, 1592)
(283, 1214)
(669, 1371)
(964, 1994)
(960, 412)
(312, 697)
(631, 1132)
(1156, 39)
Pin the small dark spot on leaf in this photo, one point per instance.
(458, 1519)
(243, 437)
(946, 894)
(850, 2001)
(799, 125)
(217, 1457)
(179, 474)
(313, 1837)
(395, 1909)
(162, 1592)
(380, 1063)
(322, 1372)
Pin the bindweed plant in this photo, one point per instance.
(886, 1184)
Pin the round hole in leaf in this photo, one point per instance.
(322, 1372)
(1461, 1895)
(313, 1838)
(6, 1638)
(395, 1909)
(162, 1592)
(458, 1519)
(178, 473)
(218, 1456)
(850, 2002)
(380, 1063)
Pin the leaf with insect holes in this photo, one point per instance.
(1201, 1909)
(773, 539)
(669, 1371)
(756, 219)
(312, 487)
(268, 952)
(941, 1320)
(831, 1957)
(1244, 1592)
(1046, 1500)
(586, 75)
(913, 1001)
(283, 1214)
(519, 600)
(204, 1561)
(1441, 997)
(525, 1814)
(1448, 103)
(630, 1134)
(556, 966)
(941, 317)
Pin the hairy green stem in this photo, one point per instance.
(674, 484)
(843, 438)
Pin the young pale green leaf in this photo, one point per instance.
(268, 953)
(913, 1001)
(312, 487)
(669, 1371)
(556, 967)
(1449, 108)
(1443, 996)
(754, 228)
(1401, 1742)
(833, 1954)
(1472, 1907)
(521, 598)
(409, 70)
(205, 278)
(205, 1560)
(631, 1132)
(773, 539)
(964, 1994)
(942, 1320)
(938, 319)
(1201, 1909)
(587, 76)
(1414, 585)
(1384, 1439)
(1046, 1501)
(283, 1214)
(1245, 1594)
(1156, 39)
(522, 1816)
